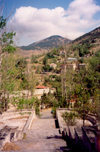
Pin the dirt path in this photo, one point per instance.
(43, 136)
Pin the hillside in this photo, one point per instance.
(90, 42)
(91, 37)
(48, 43)
(86, 45)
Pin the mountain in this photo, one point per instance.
(91, 37)
(89, 43)
(48, 43)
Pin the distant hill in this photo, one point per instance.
(86, 45)
(91, 40)
(48, 43)
(91, 37)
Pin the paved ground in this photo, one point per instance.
(43, 136)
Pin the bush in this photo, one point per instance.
(22, 103)
(34, 59)
(53, 111)
(69, 118)
(47, 68)
(37, 107)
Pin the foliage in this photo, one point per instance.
(38, 70)
(83, 111)
(3, 103)
(9, 73)
(47, 68)
(14, 76)
(55, 82)
(2, 22)
(37, 107)
(53, 53)
(34, 59)
(82, 49)
(6, 39)
(45, 61)
(31, 82)
(95, 62)
(95, 106)
(69, 118)
(49, 100)
(53, 111)
(87, 82)
(21, 65)
(24, 103)
(9, 49)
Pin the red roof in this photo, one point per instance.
(41, 87)
(72, 100)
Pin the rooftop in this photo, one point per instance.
(41, 87)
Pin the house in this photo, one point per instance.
(72, 59)
(81, 66)
(72, 63)
(53, 65)
(40, 90)
(72, 101)
(72, 66)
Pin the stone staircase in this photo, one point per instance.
(43, 136)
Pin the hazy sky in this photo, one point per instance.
(33, 20)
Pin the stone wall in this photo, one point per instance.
(78, 137)
(11, 131)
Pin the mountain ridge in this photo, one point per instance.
(90, 36)
(47, 43)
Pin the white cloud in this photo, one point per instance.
(32, 24)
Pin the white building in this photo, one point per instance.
(40, 90)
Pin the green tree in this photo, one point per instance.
(49, 100)
(69, 118)
(21, 65)
(6, 39)
(9, 73)
(6, 44)
(45, 61)
(31, 78)
(34, 59)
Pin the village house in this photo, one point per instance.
(81, 66)
(53, 65)
(72, 63)
(40, 90)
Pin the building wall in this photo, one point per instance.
(37, 93)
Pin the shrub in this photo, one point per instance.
(53, 111)
(69, 118)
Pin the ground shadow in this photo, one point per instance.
(56, 137)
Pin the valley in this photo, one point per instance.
(41, 79)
